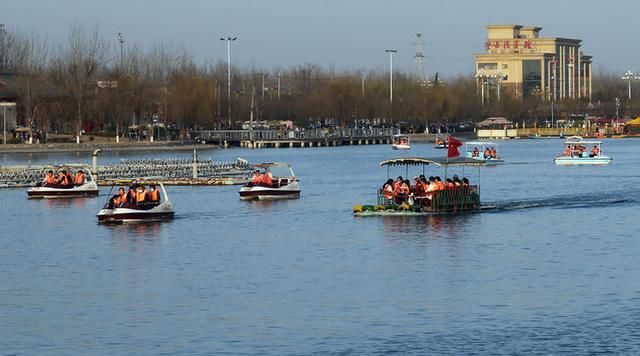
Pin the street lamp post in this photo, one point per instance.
(229, 39)
(121, 40)
(482, 76)
(391, 52)
(4, 107)
(617, 111)
(629, 77)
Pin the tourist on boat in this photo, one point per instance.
(493, 153)
(118, 200)
(568, 151)
(141, 195)
(131, 196)
(267, 179)
(387, 190)
(439, 183)
(79, 178)
(257, 177)
(487, 153)
(449, 184)
(475, 152)
(397, 183)
(432, 187)
(63, 178)
(153, 195)
(456, 181)
(594, 151)
(418, 188)
(70, 178)
(49, 179)
(465, 182)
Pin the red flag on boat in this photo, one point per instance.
(453, 147)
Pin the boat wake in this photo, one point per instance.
(567, 202)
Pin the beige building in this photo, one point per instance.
(519, 60)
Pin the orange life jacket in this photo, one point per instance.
(595, 151)
(141, 196)
(154, 195)
(63, 179)
(440, 185)
(79, 178)
(266, 179)
(50, 179)
(388, 191)
(118, 200)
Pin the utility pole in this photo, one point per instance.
(278, 86)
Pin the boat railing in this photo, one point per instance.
(459, 198)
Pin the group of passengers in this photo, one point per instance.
(401, 191)
(489, 153)
(64, 179)
(578, 150)
(137, 197)
(263, 179)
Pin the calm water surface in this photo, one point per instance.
(553, 269)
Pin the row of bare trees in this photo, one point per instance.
(87, 84)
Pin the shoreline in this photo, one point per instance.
(90, 147)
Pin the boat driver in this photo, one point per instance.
(49, 179)
(594, 151)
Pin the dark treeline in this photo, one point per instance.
(91, 84)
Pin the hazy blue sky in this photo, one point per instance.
(345, 34)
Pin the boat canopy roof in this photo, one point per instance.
(272, 164)
(481, 143)
(400, 135)
(417, 161)
(579, 139)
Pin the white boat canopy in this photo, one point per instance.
(419, 161)
(579, 139)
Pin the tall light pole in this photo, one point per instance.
(482, 76)
(121, 40)
(4, 107)
(617, 111)
(629, 77)
(391, 52)
(229, 39)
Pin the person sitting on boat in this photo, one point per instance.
(456, 181)
(475, 152)
(153, 195)
(568, 151)
(418, 188)
(439, 183)
(594, 151)
(465, 182)
(131, 196)
(267, 179)
(493, 153)
(118, 200)
(405, 191)
(142, 198)
(63, 178)
(79, 178)
(450, 184)
(387, 190)
(257, 177)
(49, 179)
(432, 187)
(397, 183)
(487, 153)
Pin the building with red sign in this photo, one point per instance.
(517, 59)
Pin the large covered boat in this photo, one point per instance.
(401, 142)
(70, 189)
(271, 181)
(449, 198)
(486, 151)
(147, 212)
(579, 151)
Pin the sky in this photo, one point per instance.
(336, 34)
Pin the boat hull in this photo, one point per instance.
(578, 161)
(86, 190)
(290, 191)
(161, 212)
(401, 147)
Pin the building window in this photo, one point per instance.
(531, 77)
(487, 66)
(505, 66)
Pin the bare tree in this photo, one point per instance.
(74, 68)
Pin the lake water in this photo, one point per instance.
(553, 269)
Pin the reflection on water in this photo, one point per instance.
(135, 237)
(75, 203)
(430, 226)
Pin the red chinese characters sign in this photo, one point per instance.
(514, 44)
